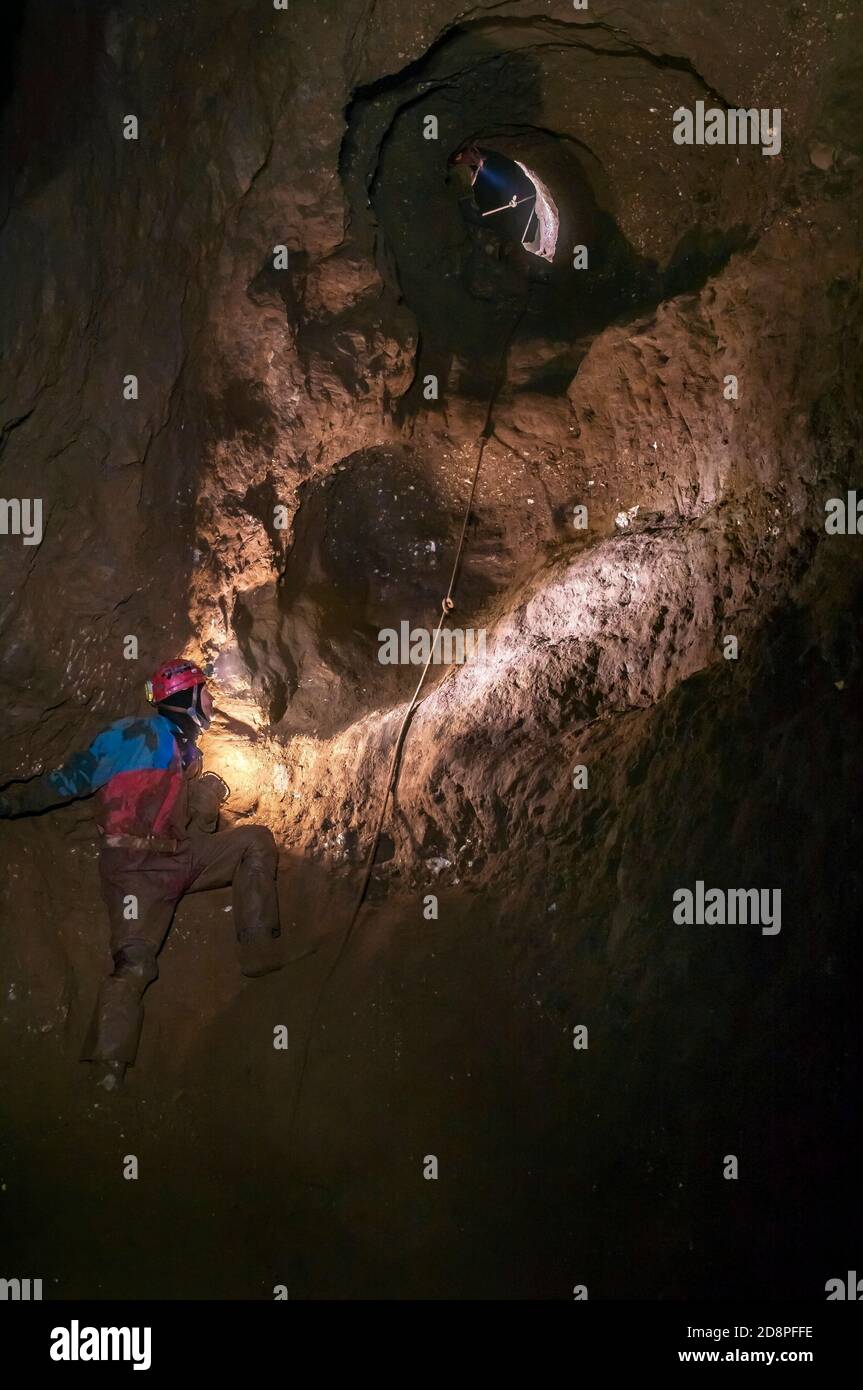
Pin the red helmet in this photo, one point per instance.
(173, 676)
(468, 154)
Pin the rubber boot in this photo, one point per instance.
(256, 907)
(115, 1027)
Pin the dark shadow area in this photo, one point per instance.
(46, 117)
(373, 545)
(11, 25)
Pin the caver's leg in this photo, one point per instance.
(141, 892)
(247, 859)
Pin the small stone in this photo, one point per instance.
(821, 156)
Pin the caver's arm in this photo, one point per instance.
(82, 775)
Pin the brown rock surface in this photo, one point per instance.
(300, 392)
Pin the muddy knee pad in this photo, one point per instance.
(261, 850)
(136, 962)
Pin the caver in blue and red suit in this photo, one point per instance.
(157, 815)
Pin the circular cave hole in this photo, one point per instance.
(481, 273)
(505, 199)
(481, 251)
(373, 546)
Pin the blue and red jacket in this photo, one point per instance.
(137, 766)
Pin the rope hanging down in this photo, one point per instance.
(447, 605)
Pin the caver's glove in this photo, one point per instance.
(206, 795)
(28, 798)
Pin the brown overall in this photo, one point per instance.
(141, 888)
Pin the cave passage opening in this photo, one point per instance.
(509, 200)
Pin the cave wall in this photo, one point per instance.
(258, 129)
(301, 389)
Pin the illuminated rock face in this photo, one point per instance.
(186, 516)
(319, 342)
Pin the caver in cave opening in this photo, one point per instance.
(504, 198)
